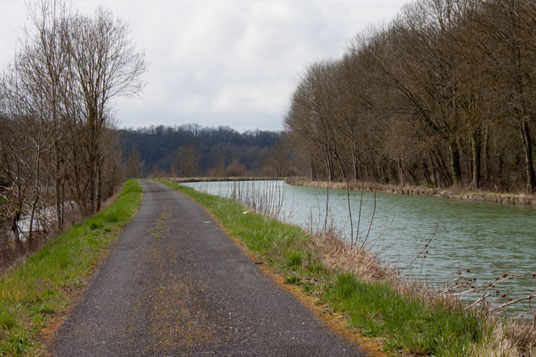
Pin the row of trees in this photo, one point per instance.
(191, 150)
(445, 95)
(56, 139)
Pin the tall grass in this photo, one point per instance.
(350, 281)
(45, 283)
(266, 198)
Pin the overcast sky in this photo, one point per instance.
(221, 62)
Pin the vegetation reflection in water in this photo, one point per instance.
(482, 240)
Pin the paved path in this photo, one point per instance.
(175, 284)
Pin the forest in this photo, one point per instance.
(444, 96)
(191, 150)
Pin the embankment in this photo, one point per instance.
(521, 199)
(216, 179)
(36, 295)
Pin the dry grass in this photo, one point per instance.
(509, 337)
(216, 179)
(450, 193)
(338, 255)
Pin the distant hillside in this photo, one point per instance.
(203, 150)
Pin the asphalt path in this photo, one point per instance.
(175, 285)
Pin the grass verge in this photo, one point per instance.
(45, 284)
(402, 322)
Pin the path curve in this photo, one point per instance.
(175, 284)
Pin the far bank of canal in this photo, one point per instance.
(485, 238)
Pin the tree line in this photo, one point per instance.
(445, 95)
(58, 147)
(191, 150)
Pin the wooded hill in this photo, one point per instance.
(191, 150)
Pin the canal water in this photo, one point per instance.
(428, 239)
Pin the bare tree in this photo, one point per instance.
(56, 103)
(105, 65)
(134, 164)
(186, 163)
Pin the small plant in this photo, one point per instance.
(112, 218)
(295, 280)
(295, 259)
(7, 320)
(17, 342)
(317, 269)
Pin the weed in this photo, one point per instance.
(17, 342)
(317, 269)
(294, 259)
(7, 320)
(296, 280)
(112, 217)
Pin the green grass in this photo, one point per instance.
(407, 322)
(40, 287)
(404, 323)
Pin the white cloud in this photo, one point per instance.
(223, 62)
(265, 98)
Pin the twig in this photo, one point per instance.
(359, 216)
(371, 221)
(425, 246)
(526, 298)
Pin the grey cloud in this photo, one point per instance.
(229, 62)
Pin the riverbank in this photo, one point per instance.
(520, 199)
(363, 299)
(37, 294)
(221, 179)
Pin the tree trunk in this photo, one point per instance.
(355, 163)
(59, 198)
(99, 185)
(426, 172)
(476, 144)
(329, 166)
(455, 168)
(400, 172)
(313, 168)
(485, 152)
(529, 165)
(91, 193)
(434, 171)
